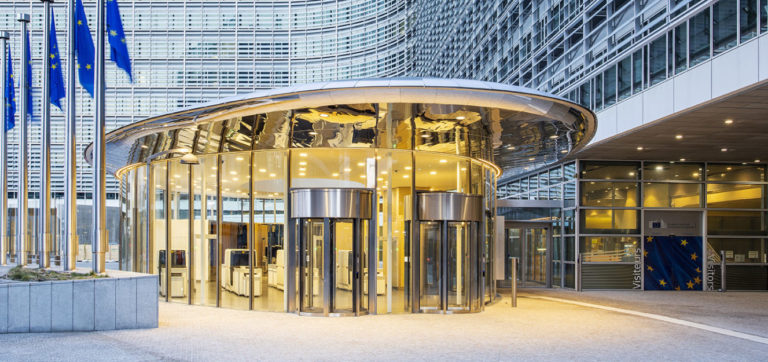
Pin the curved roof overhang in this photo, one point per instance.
(551, 129)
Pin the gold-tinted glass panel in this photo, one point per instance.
(671, 195)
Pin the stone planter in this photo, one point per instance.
(122, 301)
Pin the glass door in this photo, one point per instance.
(458, 265)
(529, 242)
(429, 273)
(536, 240)
(330, 266)
(312, 270)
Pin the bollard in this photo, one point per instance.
(722, 271)
(513, 267)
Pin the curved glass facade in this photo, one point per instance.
(401, 206)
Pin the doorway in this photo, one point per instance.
(531, 244)
(332, 240)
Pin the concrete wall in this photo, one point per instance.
(738, 68)
(125, 301)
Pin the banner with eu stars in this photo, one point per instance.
(673, 263)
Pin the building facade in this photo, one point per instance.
(649, 69)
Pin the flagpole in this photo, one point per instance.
(69, 249)
(99, 241)
(21, 211)
(4, 240)
(44, 227)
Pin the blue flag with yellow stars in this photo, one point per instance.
(118, 49)
(673, 263)
(57, 78)
(29, 78)
(86, 53)
(10, 93)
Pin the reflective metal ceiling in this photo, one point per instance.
(511, 126)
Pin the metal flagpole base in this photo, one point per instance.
(46, 262)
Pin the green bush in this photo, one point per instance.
(23, 274)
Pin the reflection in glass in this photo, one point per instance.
(607, 194)
(609, 221)
(735, 222)
(312, 267)
(235, 256)
(204, 269)
(609, 170)
(608, 248)
(736, 196)
(430, 277)
(671, 195)
(740, 250)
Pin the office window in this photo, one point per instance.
(723, 26)
(763, 16)
(657, 194)
(698, 38)
(735, 222)
(681, 48)
(609, 194)
(637, 70)
(609, 170)
(624, 70)
(735, 196)
(657, 59)
(598, 100)
(609, 81)
(743, 173)
(667, 171)
(607, 221)
(748, 19)
(608, 248)
(740, 250)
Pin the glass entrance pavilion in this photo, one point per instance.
(337, 198)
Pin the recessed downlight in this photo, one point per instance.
(460, 118)
(724, 149)
(728, 121)
(678, 137)
(640, 148)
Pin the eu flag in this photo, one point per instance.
(29, 78)
(57, 78)
(118, 48)
(10, 94)
(673, 263)
(86, 53)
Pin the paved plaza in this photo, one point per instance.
(538, 329)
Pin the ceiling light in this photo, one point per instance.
(443, 161)
(405, 176)
(433, 172)
(639, 148)
(463, 168)
(659, 168)
(239, 158)
(233, 172)
(679, 137)
(757, 161)
(272, 175)
(511, 148)
(335, 174)
(425, 135)
(460, 118)
(532, 159)
(362, 176)
(361, 164)
(302, 174)
(383, 172)
(323, 115)
(682, 160)
(313, 133)
(303, 163)
(632, 173)
(176, 176)
(554, 136)
(235, 179)
(214, 168)
(729, 168)
(302, 169)
(728, 121)
(303, 154)
(723, 149)
(380, 179)
(262, 170)
(408, 168)
(347, 169)
(563, 151)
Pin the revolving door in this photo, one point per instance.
(332, 239)
(447, 271)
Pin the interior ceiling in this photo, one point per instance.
(704, 134)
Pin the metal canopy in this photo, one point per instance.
(518, 127)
